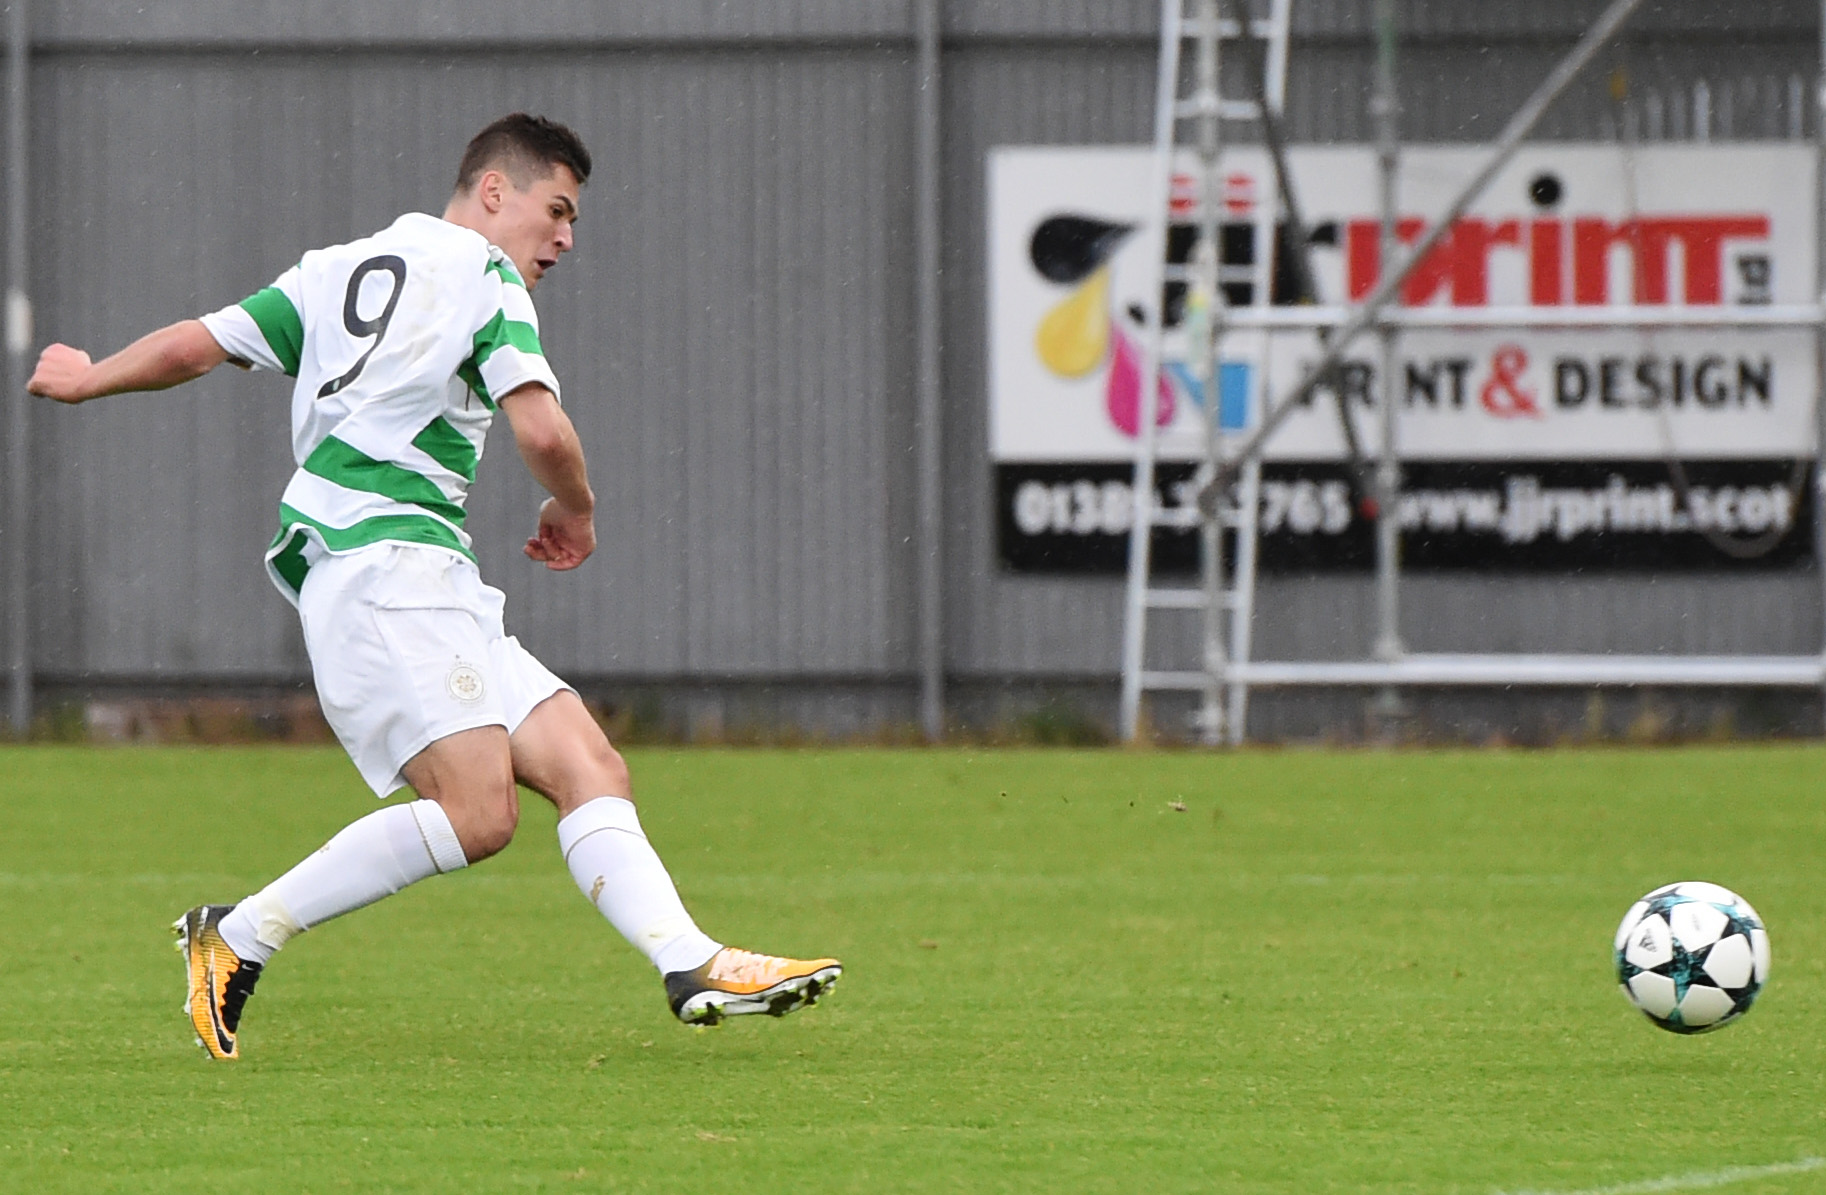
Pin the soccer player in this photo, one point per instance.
(404, 345)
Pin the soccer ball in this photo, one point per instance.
(1692, 956)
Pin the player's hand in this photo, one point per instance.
(60, 374)
(565, 540)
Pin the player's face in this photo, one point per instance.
(535, 225)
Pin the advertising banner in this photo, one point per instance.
(1525, 448)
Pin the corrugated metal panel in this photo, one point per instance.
(738, 320)
(150, 524)
(1016, 95)
(192, 24)
(1473, 20)
(1334, 617)
(1335, 20)
(329, 23)
(734, 330)
(1011, 624)
(1468, 93)
(1051, 19)
(728, 332)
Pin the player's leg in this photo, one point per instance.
(466, 811)
(470, 776)
(561, 753)
(383, 662)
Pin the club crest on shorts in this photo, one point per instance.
(464, 683)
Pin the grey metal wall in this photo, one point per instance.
(732, 332)
(1457, 87)
(735, 329)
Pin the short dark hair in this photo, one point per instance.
(524, 148)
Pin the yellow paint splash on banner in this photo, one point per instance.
(1075, 335)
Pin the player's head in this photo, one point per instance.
(518, 185)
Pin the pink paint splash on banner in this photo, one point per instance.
(1123, 394)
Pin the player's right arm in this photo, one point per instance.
(158, 361)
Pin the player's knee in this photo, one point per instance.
(488, 823)
(495, 833)
(595, 768)
(612, 769)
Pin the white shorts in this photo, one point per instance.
(407, 647)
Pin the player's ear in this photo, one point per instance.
(491, 188)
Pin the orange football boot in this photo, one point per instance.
(738, 982)
(219, 981)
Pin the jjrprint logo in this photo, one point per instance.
(465, 683)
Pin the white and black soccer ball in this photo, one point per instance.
(1692, 956)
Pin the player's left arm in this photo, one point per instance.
(553, 454)
(160, 360)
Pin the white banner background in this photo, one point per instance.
(1513, 388)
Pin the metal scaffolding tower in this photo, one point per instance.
(1193, 118)
(1225, 486)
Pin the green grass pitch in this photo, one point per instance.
(1352, 972)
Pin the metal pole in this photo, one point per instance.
(18, 345)
(1386, 106)
(1204, 329)
(928, 397)
(1141, 529)
(1511, 138)
(1819, 334)
(1299, 258)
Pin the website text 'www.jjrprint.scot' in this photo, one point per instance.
(1524, 510)
(1521, 510)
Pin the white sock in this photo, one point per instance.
(368, 859)
(613, 863)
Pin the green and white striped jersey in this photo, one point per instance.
(402, 344)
